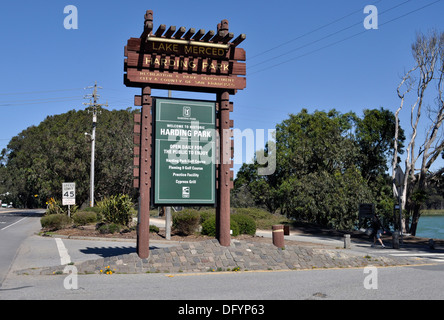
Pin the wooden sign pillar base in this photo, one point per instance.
(143, 230)
(223, 196)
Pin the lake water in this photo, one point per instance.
(431, 227)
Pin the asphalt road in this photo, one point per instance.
(15, 227)
(422, 283)
(18, 244)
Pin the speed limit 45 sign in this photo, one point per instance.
(69, 194)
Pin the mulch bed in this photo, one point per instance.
(298, 228)
(90, 232)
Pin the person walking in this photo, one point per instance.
(378, 229)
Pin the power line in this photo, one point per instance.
(310, 32)
(38, 92)
(44, 99)
(327, 36)
(41, 102)
(344, 39)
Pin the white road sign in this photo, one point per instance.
(69, 194)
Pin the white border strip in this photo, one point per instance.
(63, 252)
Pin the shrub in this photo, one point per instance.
(186, 222)
(246, 224)
(55, 221)
(255, 213)
(116, 209)
(83, 218)
(209, 227)
(206, 214)
(111, 228)
(154, 229)
(56, 207)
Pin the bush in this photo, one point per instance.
(154, 229)
(82, 218)
(55, 221)
(111, 228)
(186, 222)
(116, 209)
(255, 213)
(206, 214)
(209, 227)
(56, 207)
(246, 224)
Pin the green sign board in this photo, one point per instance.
(184, 152)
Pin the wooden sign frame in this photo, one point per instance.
(176, 59)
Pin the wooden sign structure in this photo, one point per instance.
(184, 60)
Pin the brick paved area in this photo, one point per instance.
(241, 255)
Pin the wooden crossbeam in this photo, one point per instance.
(170, 31)
(208, 36)
(160, 30)
(219, 36)
(228, 38)
(239, 39)
(180, 32)
(199, 34)
(189, 34)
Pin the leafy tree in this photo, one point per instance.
(324, 167)
(374, 135)
(39, 159)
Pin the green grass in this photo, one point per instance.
(432, 212)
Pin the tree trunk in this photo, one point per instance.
(415, 220)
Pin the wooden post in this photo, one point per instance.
(143, 231)
(223, 198)
(278, 236)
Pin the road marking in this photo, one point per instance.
(418, 254)
(12, 224)
(435, 257)
(63, 252)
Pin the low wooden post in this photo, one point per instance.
(278, 236)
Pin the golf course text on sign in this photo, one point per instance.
(184, 142)
(69, 194)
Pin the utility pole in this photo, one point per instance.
(94, 105)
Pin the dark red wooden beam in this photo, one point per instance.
(208, 36)
(160, 30)
(170, 31)
(189, 34)
(199, 34)
(180, 32)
